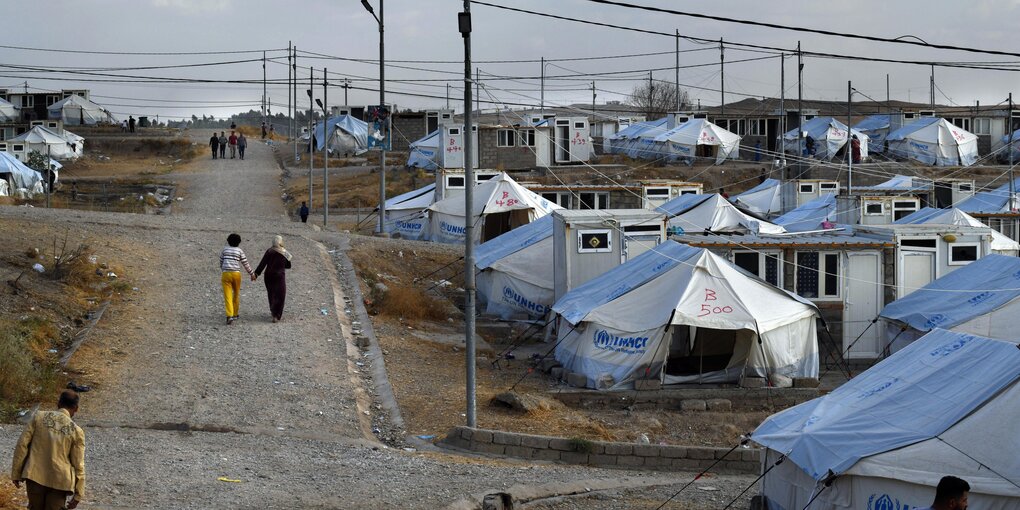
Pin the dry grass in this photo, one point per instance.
(411, 304)
(27, 367)
(11, 498)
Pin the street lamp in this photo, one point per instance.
(382, 103)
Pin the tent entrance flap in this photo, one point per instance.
(706, 355)
(497, 224)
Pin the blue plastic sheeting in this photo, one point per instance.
(424, 152)
(872, 123)
(356, 128)
(513, 241)
(634, 130)
(577, 303)
(411, 195)
(766, 184)
(21, 175)
(810, 215)
(920, 216)
(916, 125)
(913, 395)
(994, 201)
(682, 204)
(972, 290)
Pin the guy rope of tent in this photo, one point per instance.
(517, 342)
(851, 346)
(538, 361)
(826, 484)
(460, 258)
(762, 475)
(745, 439)
(888, 346)
(842, 354)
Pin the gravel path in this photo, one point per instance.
(280, 407)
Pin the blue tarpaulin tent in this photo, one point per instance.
(516, 271)
(884, 438)
(424, 152)
(764, 199)
(990, 202)
(809, 216)
(347, 135)
(20, 175)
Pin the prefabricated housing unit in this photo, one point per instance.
(450, 181)
(451, 146)
(588, 243)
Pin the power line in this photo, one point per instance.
(141, 53)
(896, 40)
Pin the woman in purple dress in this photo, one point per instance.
(275, 261)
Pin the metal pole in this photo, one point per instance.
(849, 138)
(676, 70)
(478, 91)
(325, 151)
(722, 78)
(294, 68)
(311, 131)
(593, 102)
(49, 178)
(290, 120)
(469, 252)
(800, 101)
(542, 100)
(1009, 126)
(382, 103)
(447, 96)
(347, 86)
(264, 93)
(782, 109)
(888, 104)
(932, 80)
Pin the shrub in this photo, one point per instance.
(411, 303)
(27, 369)
(581, 445)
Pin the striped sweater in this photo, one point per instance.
(231, 259)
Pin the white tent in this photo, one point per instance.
(5, 189)
(76, 110)
(347, 135)
(683, 314)
(500, 205)
(8, 112)
(811, 216)
(934, 141)
(45, 142)
(877, 128)
(695, 214)
(515, 271)
(947, 404)
(829, 136)
(18, 175)
(1001, 243)
(407, 214)
(425, 152)
(629, 140)
(764, 199)
(700, 138)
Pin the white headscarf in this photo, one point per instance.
(278, 246)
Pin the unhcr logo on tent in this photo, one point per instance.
(946, 350)
(407, 225)
(452, 229)
(627, 345)
(980, 298)
(878, 389)
(920, 146)
(935, 320)
(887, 502)
(511, 296)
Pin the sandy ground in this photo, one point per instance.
(181, 399)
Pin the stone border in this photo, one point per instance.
(601, 453)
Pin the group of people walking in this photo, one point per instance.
(236, 142)
(274, 264)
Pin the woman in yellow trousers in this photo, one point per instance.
(232, 259)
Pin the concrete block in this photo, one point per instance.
(646, 450)
(752, 382)
(537, 442)
(362, 342)
(805, 382)
(699, 453)
(719, 404)
(630, 461)
(481, 436)
(693, 404)
(557, 373)
(750, 455)
(604, 382)
(673, 452)
(457, 442)
(781, 381)
(602, 460)
(619, 449)
(725, 453)
(658, 462)
(562, 445)
(548, 364)
(506, 438)
(488, 448)
(546, 455)
(466, 432)
(574, 457)
(647, 384)
(686, 464)
(521, 452)
(598, 448)
(577, 380)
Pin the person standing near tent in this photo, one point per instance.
(223, 145)
(232, 259)
(303, 212)
(275, 262)
(242, 144)
(809, 146)
(855, 149)
(214, 144)
(131, 124)
(950, 494)
(50, 457)
(263, 130)
(232, 141)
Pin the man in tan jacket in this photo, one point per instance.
(50, 457)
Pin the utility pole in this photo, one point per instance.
(651, 95)
(676, 71)
(849, 138)
(464, 24)
(382, 104)
(478, 94)
(542, 100)
(593, 102)
(290, 120)
(722, 78)
(888, 101)
(447, 96)
(1009, 126)
(932, 87)
(49, 178)
(264, 93)
(347, 85)
(800, 101)
(325, 149)
(311, 131)
(782, 109)
(294, 69)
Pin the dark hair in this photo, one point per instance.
(950, 487)
(234, 240)
(68, 399)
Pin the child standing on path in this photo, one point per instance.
(232, 259)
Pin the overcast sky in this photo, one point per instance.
(418, 30)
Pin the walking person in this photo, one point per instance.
(131, 124)
(232, 259)
(274, 262)
(223, 145)
(50, 457)
(214, 143)
(263, 130)
(303, 212)
(855, 149)
(233, 145)
(242, 144)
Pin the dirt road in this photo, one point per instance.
(185, 405)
